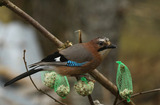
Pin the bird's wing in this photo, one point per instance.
(43, 64)
(77, 53)
(55, 59)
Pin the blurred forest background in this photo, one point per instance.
(133, 25)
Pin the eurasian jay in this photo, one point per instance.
(73, 61)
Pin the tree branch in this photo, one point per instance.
(116, 99)
(80, 36)
(90, 99)
(141, 93)
(145, 92)
(104, 81)
(97, 75)
(24, 59)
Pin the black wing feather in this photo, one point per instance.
(51, 58)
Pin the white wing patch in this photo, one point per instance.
(57, 59)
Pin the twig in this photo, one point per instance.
(35, 84)
(116, 99)
(90, 99)
(97, 75)
(141, 93)
(145, 92)
(104, 81)
(80, 36)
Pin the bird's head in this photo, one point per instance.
(102, 45)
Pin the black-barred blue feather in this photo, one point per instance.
(74, 64)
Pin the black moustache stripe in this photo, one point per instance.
(101, 49)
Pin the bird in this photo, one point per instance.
(75, 60)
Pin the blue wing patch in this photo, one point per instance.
(74, 64)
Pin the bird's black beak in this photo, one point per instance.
(111, 46)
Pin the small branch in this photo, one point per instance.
(104, 81)
(116, 99)
(80, 36)
(24, 59)
(35, 84)
(141, 93)
(29, 19)
(145, 92)
(90, 99)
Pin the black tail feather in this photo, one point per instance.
(22, 76)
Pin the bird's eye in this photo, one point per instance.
(101, 43)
